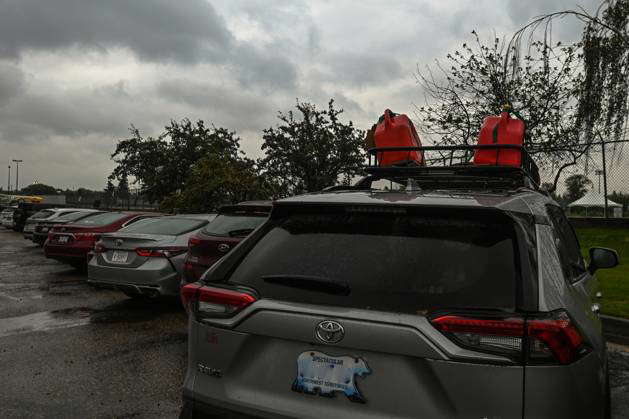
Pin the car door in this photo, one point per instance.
(581, 298)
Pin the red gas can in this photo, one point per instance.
(397, 130)
(500, 130)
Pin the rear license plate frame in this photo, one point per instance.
(119, 256)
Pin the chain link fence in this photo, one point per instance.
(134, 200)
(604, 175)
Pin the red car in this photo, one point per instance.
(232, 224)
(71, 243)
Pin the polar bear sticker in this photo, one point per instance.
(325, 374)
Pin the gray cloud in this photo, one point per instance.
(185, 32)
(12, 82)
(360, 69)
(75, 73)
(155, 30)
(232, 108)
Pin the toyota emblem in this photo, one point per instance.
(224, 248)
(329, 331)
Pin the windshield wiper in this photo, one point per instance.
(241, 232)
(310, 283)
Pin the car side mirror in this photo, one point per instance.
(602, 258)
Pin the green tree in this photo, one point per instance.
(162, 165)
(542, 88)
(216, 181)
(311, 150)
(576, 187)
(39, 189)
(110, 194)
(604, 88)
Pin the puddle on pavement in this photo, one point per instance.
(128, 311)
(46, 320)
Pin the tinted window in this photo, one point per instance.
(167, 225)
(389, 262)
(102, 219)
(73, 216)
(42, 214)
(233, 225)
(567, 244)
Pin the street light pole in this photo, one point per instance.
(9, 180)
(17, 173)
(599, 173)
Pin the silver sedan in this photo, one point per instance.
(146, 258)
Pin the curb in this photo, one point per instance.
(616, 329)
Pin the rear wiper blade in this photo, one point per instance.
(241, 232)
(310, 283)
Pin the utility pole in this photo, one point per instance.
(17, 173)
(9, 181)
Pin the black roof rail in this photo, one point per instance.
(465, 173)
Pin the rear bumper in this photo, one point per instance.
(147, 282)
(66, 253)
(192, 409)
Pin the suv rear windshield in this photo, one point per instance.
(400, 263)
(167, 226)
(102, 219)
(226, 225)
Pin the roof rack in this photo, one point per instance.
(460, 175)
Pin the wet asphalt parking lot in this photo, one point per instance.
(70, 350)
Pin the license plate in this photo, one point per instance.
(44, 229)
(62, 239)
(119, 257)
(325, 374)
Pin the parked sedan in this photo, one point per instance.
(231, 226)
(42, 228)
(71, 243)
(6, 218)
(48, 214)
(146, 258)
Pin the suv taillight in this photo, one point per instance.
(213, 301)
(555, 335)
(551, 337)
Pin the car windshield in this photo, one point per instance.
(73, 216)
(171, 226)
(42, 214)
(233, 224)
(102, 219)
(385, 262)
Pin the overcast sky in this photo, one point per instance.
(74, 74)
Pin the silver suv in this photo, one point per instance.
(440, 303)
